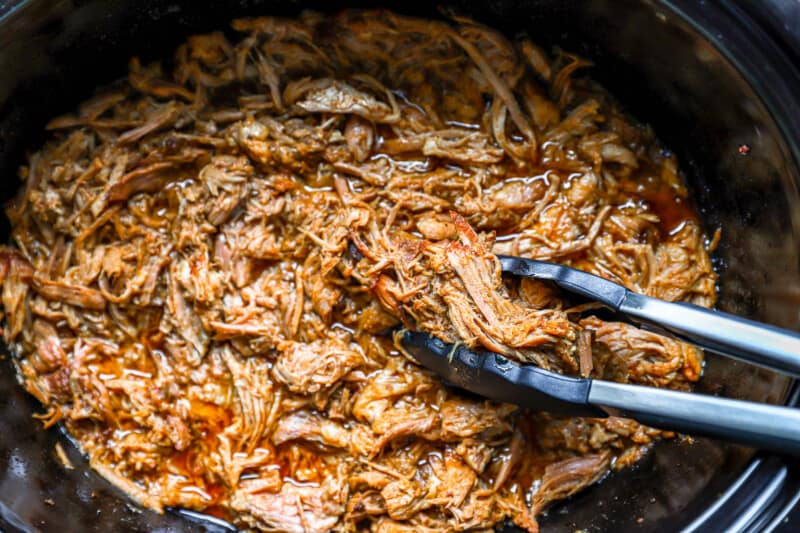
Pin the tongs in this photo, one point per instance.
(754, 424)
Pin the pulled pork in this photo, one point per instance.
(208, 264)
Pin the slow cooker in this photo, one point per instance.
(719, 82)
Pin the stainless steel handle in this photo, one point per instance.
(746, 340)
(753, 424)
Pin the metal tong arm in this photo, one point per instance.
(498, 378)
(763, 426)
(753, 342)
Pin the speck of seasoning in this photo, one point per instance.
(744, 149)
(50, 502)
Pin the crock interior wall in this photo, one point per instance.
(52, 55)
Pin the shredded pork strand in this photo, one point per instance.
(208, 264)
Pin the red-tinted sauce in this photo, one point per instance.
(673, 210)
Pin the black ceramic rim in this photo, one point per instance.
(769, 489)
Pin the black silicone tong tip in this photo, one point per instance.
(591, 287)
(498, 378)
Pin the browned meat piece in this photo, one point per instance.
(308, 368)
(211, 263)
(475, 453)
(257, 400)
(455, 478)
(334, 96)
(403, 499)
(584, 347)
(565, 478)
(363, 504)
(295, 509)
(590, 436)
(683, 270)
(401, 422)
(147, 179)
(649, 358)
(437, 227)
(148, 81)
(226, 179)
(510, 461)
(510, 324)
(158, 119)
(16, 274)
(462, 278)
(51, 355)
(383, 388)
(360, 137)
(462, 147)
(185, 320)
(462, 419)
(375, 319)
(69, 293)
(310, 427)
